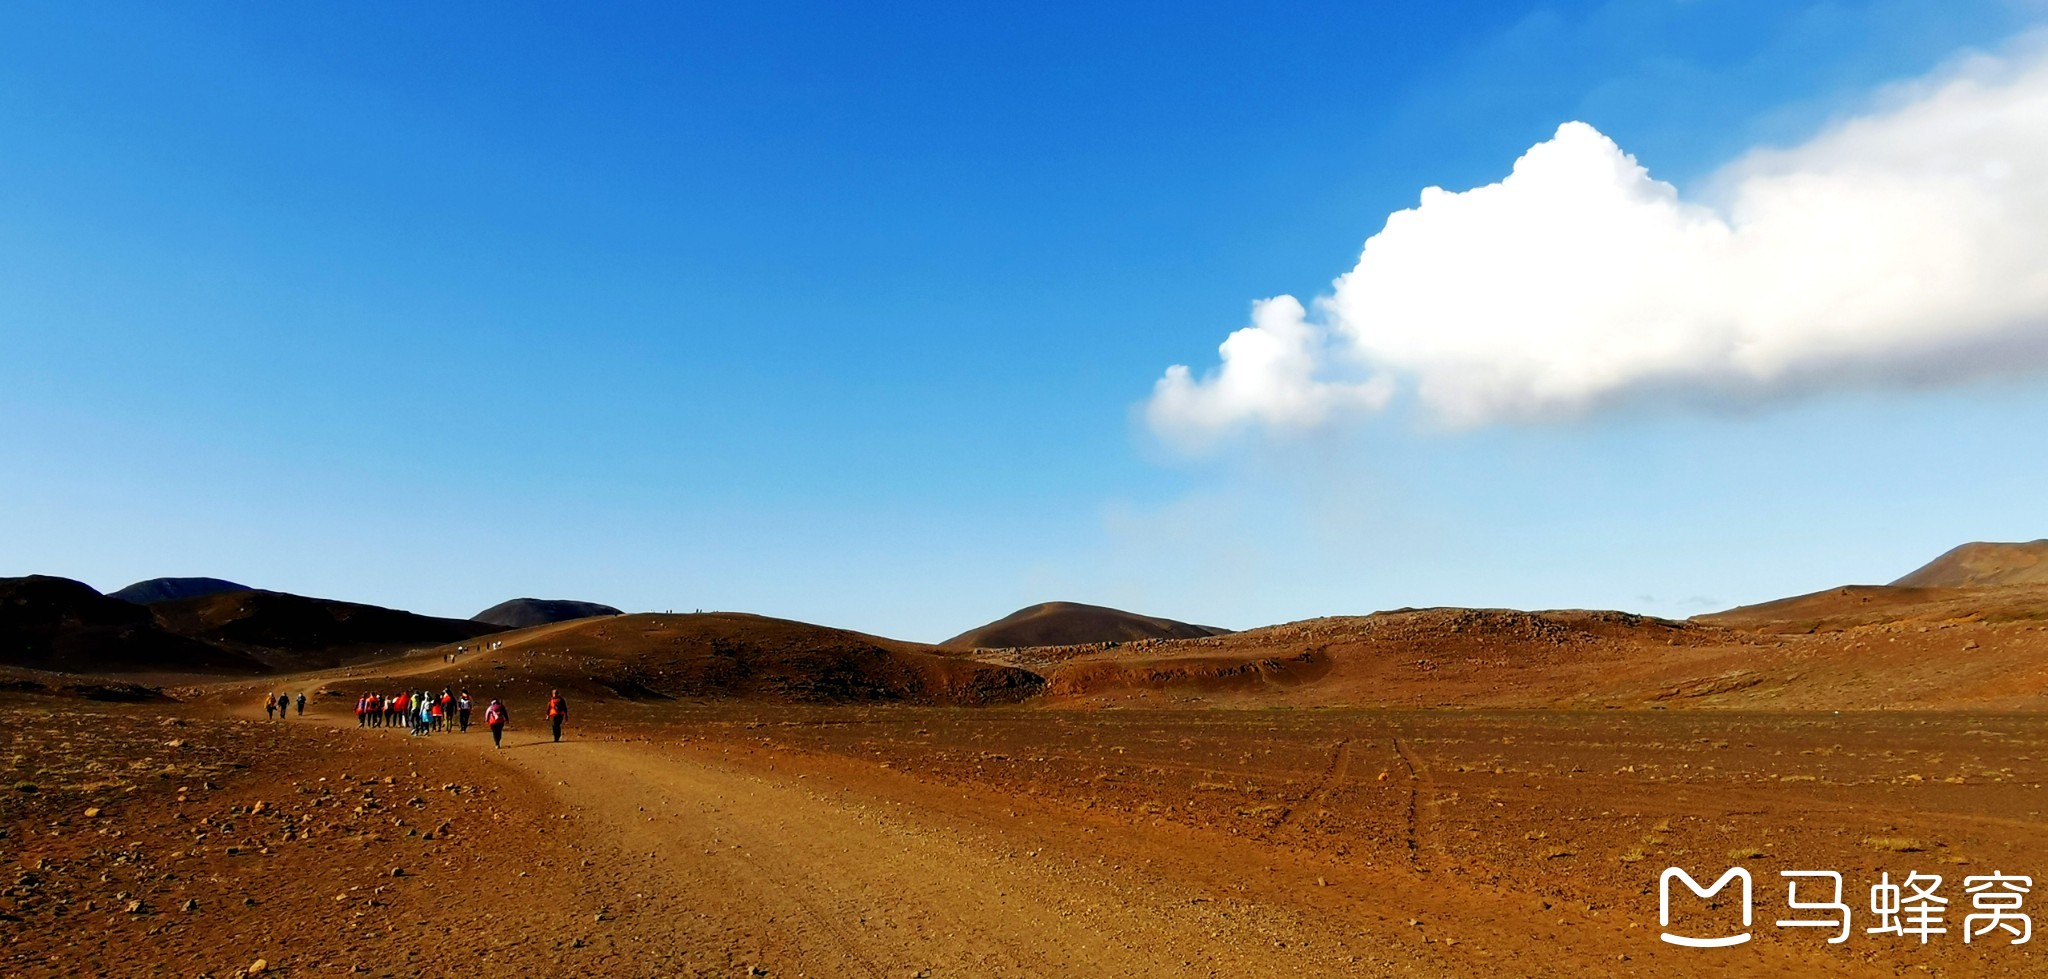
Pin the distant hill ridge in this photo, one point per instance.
(1071, 624)
(295, 632)
(50, 623)
(522, 613)
(157, 590)
(1983, 563)
(655, 656)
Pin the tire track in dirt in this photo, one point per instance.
(1319, 791)
(1414, 824)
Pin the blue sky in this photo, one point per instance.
(851, 315)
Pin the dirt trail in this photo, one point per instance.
(714, 867)
(710, 858)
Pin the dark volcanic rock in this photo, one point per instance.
(1073, 624)
(520, 613)
(294, 632)
(171, 589)
(49, 623)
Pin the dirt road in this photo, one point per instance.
(712, 866)
(707, 857)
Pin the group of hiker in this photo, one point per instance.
(421, 710)
(425, 712)
(279, 706)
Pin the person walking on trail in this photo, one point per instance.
(284, 705)
(558, 711)
(269, 707)
(462, 711)
(302, 703)
(435, 716)
(494, 718)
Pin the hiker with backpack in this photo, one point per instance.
(558, 711)
(495, 717)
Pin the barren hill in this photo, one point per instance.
(1984, 563)
(171, 589)
(1479, 658)
(294, 632)
(1851, 606)
(1071, 623)
(56, 624)
(520, 613)
(734, 655)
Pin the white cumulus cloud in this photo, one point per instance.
(1905, 245)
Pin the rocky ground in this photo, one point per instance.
(734, 839)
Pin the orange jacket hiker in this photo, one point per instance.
(558, 711)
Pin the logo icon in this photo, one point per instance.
(1664, 906)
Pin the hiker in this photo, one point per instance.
(302, 703)
(284, 705)
(494, 718)
(558, 711)
(434, 716)
(362, 703)
(462, 711)
(269, 707)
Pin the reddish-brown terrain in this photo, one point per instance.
(1423, 792)
(1984, 563)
